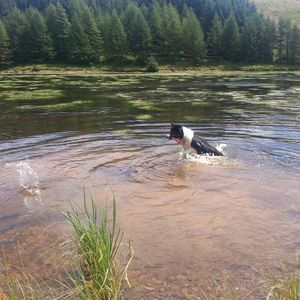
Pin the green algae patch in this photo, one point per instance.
(234, 111)
(144, 105)
(121, 132)
(124, 95)
(32, 94)
(143, 117)
(200, 104)
(53, 107)
(122, 81)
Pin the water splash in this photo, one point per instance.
(204, 159)
(28, 178)
(208, 159)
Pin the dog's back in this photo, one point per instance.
(203, 147)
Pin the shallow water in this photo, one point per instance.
(188, 220)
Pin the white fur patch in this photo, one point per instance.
(188, 135)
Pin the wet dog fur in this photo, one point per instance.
(191, 142)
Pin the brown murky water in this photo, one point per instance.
(188, 221)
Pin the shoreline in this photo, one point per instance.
(165, 70)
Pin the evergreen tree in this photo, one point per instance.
(15, 27)
(138, 32)
(4, 45)
(78, 51)
(58, 26)
(193, 37)
(36, 41)
(284, 27)
(51, 17)
(214, 37)
(266, 48)
(114, 37)
(209, 10)
(172, 34)
(61, 40)
(92, 33)
(99, 19)
(249, 40)
(156, 23)
(294, 45)
(230, 40)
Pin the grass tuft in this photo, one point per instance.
(97, 243)
(285, 286)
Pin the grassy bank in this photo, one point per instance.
(133, 68)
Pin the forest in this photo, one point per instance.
(87, 32)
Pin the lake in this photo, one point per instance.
(189, 221)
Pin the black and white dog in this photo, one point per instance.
(190, 142)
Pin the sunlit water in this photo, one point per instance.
(188, 219)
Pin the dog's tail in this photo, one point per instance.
(221, 148)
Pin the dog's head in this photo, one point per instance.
(176, 133)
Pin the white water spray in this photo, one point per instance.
(28, 178)
(208, 159)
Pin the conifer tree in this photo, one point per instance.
(92, 33)
(51, 17)
(172, 34)
(193, 37)
(208, 14)
(36, 41)
(294, 45)
(214, 37)
(100, 20)
(230, 40)
(268, 37)
(249, 40)
(63, 26)
(156, 23)
(283, 39)
(78, 51)
(138, 32)
(114, 37)
(15, 27)
(4, 45)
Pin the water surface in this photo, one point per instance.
(188, 221)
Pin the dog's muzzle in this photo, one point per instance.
(178, 141)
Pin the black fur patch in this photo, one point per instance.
(202, 147)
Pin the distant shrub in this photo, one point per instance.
(152, 65)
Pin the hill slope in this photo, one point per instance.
(276, 8)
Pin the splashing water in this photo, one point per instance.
(208, 159)
(28, 178)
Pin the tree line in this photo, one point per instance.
(90, 31)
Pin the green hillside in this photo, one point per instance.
(276, 8)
